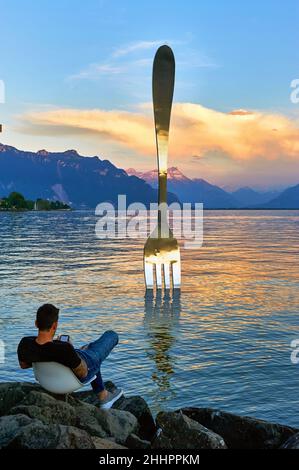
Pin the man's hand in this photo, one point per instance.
(83, 348)
(68, 341)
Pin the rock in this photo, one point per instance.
(96, 422)
(89, 420)
(117, 423)
(177, 431)
(135, 442)
(241, 432)
(87, 396)
(292, 442)
(45, 408)
(136, 405)
(21, 432)
(140, 409)
(40, 436)
(105, 423)
(35, 419)
(12, 393)
(74, 438)
(10, 426)
(106, 444)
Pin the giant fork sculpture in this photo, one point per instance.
(161, 251)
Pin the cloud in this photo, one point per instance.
(240, 112)
(242, 147)
(134, 56)
(94, 71)
(196, 130)
(117, 63)
(139, 46)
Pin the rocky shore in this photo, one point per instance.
(31, 418)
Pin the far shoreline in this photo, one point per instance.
(90, 209)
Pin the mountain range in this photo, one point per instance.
(214, 197)
(287, 199)
(247, 197)
(191, 190)
(70, 178)
(83, 182)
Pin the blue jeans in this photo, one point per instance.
(94, 355)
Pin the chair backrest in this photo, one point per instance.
(56, 378)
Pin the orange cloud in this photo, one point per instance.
(196, 130)
(240, 112)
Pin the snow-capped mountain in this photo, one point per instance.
(190, 190)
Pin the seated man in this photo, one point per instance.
(85, 362)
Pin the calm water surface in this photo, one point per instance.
(224, 342)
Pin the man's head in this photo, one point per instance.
(47, 318)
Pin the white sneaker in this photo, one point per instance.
(112, 397)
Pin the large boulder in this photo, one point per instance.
(21, 432)
(136, 405)
(292, 442)
(106, 423)
(140, 409)
(45, 408)
(177, 431)
(10, 426)
(118, 424)
(88, 419)
(12, 393)
(96, 422)
(74, 438)
(241, 432)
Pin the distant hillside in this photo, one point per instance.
(288, 199)
(247, 197)
(83, 182)
(69, 178)
(191, 190)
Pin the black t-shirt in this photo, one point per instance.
(30, 351)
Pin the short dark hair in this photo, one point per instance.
(46, 315)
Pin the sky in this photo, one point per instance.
(77, 75)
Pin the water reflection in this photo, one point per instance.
(162, 313)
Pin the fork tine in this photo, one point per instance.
(149, 275)
(166, 269)
(176, 274)
(159, 275)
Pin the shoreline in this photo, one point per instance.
(31, 418)
(36, 210)
(93, 209)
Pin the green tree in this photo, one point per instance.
(16, 200)
(30, 205)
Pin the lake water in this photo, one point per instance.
(223, 343)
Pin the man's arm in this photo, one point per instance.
(81, 371)
(22, 354)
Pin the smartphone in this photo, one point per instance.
(64, 338)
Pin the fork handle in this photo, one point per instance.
(163, 87)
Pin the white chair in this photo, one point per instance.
(56, 378)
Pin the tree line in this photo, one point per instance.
(16, 201)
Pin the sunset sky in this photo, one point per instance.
(78, 75)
